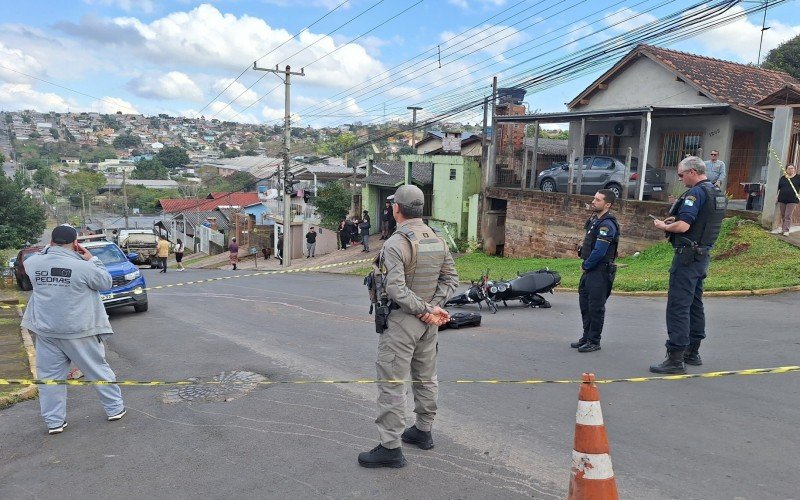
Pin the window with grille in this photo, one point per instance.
(675, 146)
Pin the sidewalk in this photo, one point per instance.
(14, 352)
(247, 262)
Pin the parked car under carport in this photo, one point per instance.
(603, 172)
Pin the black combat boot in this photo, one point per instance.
(579, 343)
(382, 457)
(672, 365)
(692, 354)
(423, 439)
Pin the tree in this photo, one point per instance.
(127, 140)
(150, 169)
(54, 133)
(333, 203)
(785, 57)
(145, 199)
(21, 219)
(173, 157)
(21, 179)
(44, 176)
(84, 183)
(238, 181)
(338, 145)
(2, 158)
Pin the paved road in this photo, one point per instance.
(717, 438)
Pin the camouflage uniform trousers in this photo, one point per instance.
(407, 349)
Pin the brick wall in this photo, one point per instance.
(542, 224)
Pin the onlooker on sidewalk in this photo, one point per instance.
(279, 250)
(69, 322)
(386, 216)
(233, 248)
(352, 228)
(344, 233)
(311, 242)
(162, 252)
(788, 188)
(179, 248)
(715, 170)
(363, 228)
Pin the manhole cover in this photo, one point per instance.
(226, 386)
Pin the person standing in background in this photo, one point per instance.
(788, 189)
(179, 248)
(233, 248)
(162, 252)
(716, 171)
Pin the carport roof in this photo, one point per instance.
(613, 114)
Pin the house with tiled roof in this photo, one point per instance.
(720, 111)
(665, 104)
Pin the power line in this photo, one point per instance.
(270, 52)
(301, 50)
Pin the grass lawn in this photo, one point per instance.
(745, 258)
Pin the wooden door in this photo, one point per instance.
(741, 161)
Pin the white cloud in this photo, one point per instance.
(626, 19)
(22, 96)
(206, 37)
(739, 40)
(146, 6)
(17, 62)
(234, 90)
(580, 30)
(464, 4)
(493, 40)
(172, 85)
(111, 105)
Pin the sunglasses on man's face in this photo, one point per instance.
(680, 174)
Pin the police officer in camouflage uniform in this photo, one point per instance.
(693, 226)
(417, 286)
(598, 251)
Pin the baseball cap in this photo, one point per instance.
(63, 235)
(408, 195)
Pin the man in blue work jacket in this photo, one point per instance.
(693, 227)
(598, 251)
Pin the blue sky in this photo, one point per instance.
(178, 57)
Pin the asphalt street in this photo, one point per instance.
(732, 437)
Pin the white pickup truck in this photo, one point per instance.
(141, 241)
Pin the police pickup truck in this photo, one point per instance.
(128, 287)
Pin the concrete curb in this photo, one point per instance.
(713, 293)
(30, 391)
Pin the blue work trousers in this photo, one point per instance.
(593, 291)
(686, 318)
(52, 363)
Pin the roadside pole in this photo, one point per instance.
(287, 137)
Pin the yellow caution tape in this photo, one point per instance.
(750, 371)
(108, 296)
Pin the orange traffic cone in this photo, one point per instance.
(592, 476)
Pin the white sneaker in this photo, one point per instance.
(118, 415)
(58, 429)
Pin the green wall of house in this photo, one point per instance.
(451, 196)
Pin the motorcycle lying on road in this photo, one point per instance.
(526, 287)
(474, 295)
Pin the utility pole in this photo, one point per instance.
(125, 195)
(764, 28)
(414, 110)
(287, 137)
